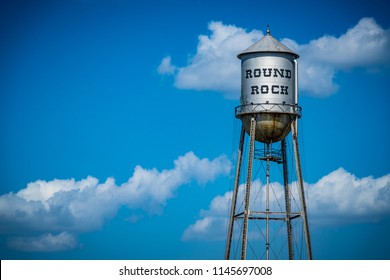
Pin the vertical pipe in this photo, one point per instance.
(301, 192)
(267, 175)
(296, 81)
(287, 200)
(235, 192)
(248, 187)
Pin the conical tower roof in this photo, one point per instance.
(267, 44)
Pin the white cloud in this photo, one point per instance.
(364, 45)
(80, 206)
(317, 79)
(42, 191)
(166, 66)
(212, 224)
(215, 66)
(339, 197)
(44, 243)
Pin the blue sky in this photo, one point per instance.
(118, 133)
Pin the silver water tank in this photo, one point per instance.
(268, 89)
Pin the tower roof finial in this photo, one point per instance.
(268, 31)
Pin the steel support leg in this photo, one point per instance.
(287, 201)
(248, 188)
(235, 192)
(301, 192)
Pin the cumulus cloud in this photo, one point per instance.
(337, 198)
(213, 222)
(215, 66)
(44, 243)
(72, 207)
(364, 45)
(166, 66)
(341, 196)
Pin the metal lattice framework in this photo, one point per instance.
(267, 155)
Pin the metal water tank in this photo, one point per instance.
(268, 89)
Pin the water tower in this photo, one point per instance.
(268, 112)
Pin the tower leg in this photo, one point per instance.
(287, 198)
(248, 187)
(267, 176)
(235, 192)
(301, 192)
